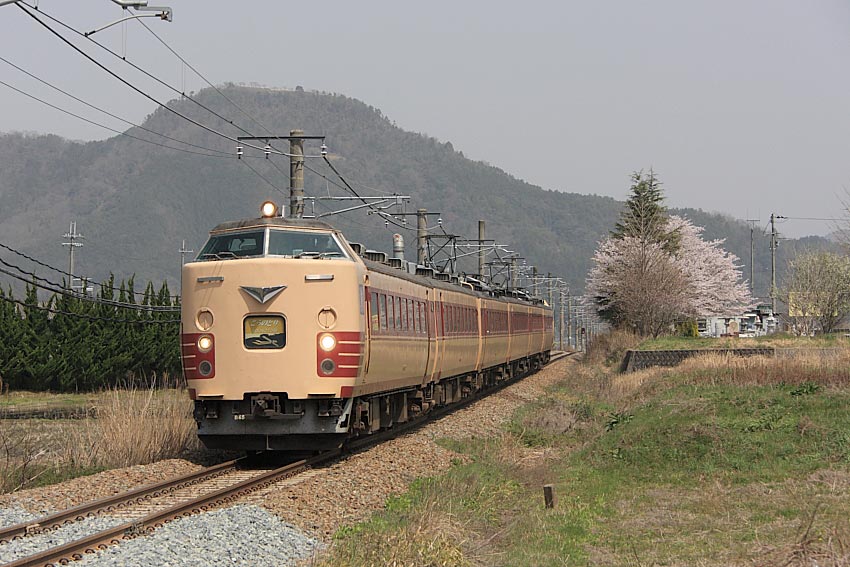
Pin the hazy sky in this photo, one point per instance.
(740, 106)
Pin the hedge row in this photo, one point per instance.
(78, 343)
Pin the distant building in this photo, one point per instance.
(754, 323)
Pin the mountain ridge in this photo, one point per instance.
(136, 202)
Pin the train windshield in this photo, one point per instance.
(297, 244)
(234, 245)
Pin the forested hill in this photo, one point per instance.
(135, 202)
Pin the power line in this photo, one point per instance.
(198, 73)
(98, 124)
(264, 178)
(89, 317)
(54, 87)
(135, 88)
(56, 288)
(386, 216)
(63, 272)
(814, 219)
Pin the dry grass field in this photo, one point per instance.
(129, 427)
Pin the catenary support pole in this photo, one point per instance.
(481, 249)
(296, 174)
(421, 236)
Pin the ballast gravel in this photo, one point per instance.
(14, 515)
(48, 499)
(239, 535)
(26, 546)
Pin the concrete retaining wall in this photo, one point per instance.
(640, 359)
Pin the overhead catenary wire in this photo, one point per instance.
(54, 87)
(99, 125)
(387, 217)
(346, 185)
(168, 108)
(160, 81)
(198, 73)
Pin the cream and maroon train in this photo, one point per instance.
(293, 341)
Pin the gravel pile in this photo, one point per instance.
(240, 535)
(23, 547)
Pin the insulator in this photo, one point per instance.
(440, 221)
(268, 151)
(324, 150)
(239, 152)
(386, 223)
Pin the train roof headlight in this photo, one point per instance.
(327, 342)
(268, 209)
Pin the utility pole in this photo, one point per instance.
(481, 250)
(72, 235)
(421, 236)
(773, 244)
(561, 320)
(752, 255)
(570, 326)
(183, 252)
(296, 174)
(535, 292)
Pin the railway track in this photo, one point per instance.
(149, 507)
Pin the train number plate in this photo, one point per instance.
(264, 331)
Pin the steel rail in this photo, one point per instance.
(76, 550)
(116, 502)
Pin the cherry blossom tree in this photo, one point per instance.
(714, 276)
(643, 285)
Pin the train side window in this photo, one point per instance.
(391, 311)
(383, 309)
(373, 310)
(398, 314)
(421, 317)
(410, 316)
(404, 320)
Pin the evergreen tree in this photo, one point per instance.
(645, 216)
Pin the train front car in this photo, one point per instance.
(272, 335)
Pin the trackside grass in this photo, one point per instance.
(131, 427)
(779, 340)
(716, 462)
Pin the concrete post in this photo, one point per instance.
(421, 236)
(481, 250)
(296, 175)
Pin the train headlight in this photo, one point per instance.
(268, 209)
(205, 343)
(327, 342)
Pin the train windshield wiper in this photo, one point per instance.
(218, 256)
